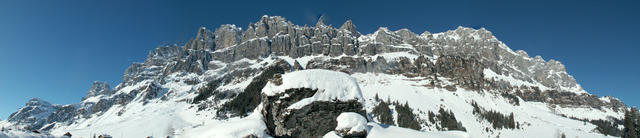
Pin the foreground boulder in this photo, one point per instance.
(306, 103)
(351, 125)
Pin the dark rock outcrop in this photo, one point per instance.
(466, 72)
(312, 120)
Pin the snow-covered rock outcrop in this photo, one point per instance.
(351, 125)
(329, 86)
(306, 103)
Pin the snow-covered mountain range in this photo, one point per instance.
(275, 78)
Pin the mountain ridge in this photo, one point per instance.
(227, 59)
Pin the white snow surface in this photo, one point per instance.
(232, 128)
(384, 131)
(379, 131)
(331, 85)
(352, 121)
(22, 134)
(489, 74)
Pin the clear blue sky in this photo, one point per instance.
(54, 50)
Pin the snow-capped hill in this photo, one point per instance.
(33, 115)
(460, 83)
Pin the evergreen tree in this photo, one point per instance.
(636, 115)
(607, 127)
(432, 117)
(406, 118)
(512, 121)
(476, 108)
(448, 120)
(497, 119)
(630, 130)
(383, 113)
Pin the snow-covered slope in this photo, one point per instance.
(459, 83)
(536, 119)
(379, 131)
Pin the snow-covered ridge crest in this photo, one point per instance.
(331, 85)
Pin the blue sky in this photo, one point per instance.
(54, 50)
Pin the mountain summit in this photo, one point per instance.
(279, 79)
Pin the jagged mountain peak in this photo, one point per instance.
(383, 30)
(227, 35)
(350, 27)
(99, 88)
(321, 20)
(203, 40)
(249, 34)
(462, 32)
(37, 102)
(269, 18)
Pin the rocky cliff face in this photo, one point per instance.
(219, 65)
